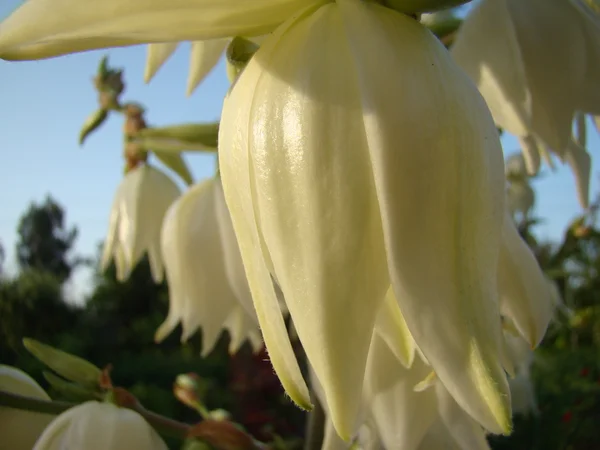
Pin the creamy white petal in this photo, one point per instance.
(140, 204)
(401, 415)
(110, 244)
(300, 169)
(519, 351)
(438, 437)
(241, 328)
(467, 433)
(531, 153)
(392, 328)
(237, 173)
(234, 267)
(331, 440)
(441, 191)
(486, 47)
(157, 55)
(46, 28)
(524, 293)
(522, 394)
(555, 64)
(590, 101)
(580, 162)
(204, 57)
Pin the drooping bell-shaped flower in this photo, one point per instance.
(536, 62)
(355, 155)
(20, 429)
(525, 295)
(136, 217)
(201, 294)
(99, 426)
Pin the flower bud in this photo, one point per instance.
(18, 427)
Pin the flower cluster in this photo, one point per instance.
(361, 191)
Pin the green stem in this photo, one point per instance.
(315, 428)
(33, 404)
(162, 424)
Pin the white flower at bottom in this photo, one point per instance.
(20, 428)
(200, 292)
(141, 201)
(99, 426)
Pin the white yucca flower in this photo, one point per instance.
(202, 291)
(355, 156)
(136, 216)
(99, 426)
(342, 180)
(534, 86)
(20, 429)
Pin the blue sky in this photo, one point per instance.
(44, 104)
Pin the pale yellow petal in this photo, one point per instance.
(204, 57)
(580, 162)
(439, 174)
(45, 28)
(555, 64)
(486, 47)
(236, 172)
(157, 55)
(306, 142)
(524, 293)
(401, 415)
(392, 328)
(467, 433)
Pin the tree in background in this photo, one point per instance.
(45, 241)
(2, 258)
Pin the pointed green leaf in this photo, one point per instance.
(70, 391)
(199, 134)
(92, 123)
(69, 366)
(176, 163)
(170, 145)
(103, 67)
